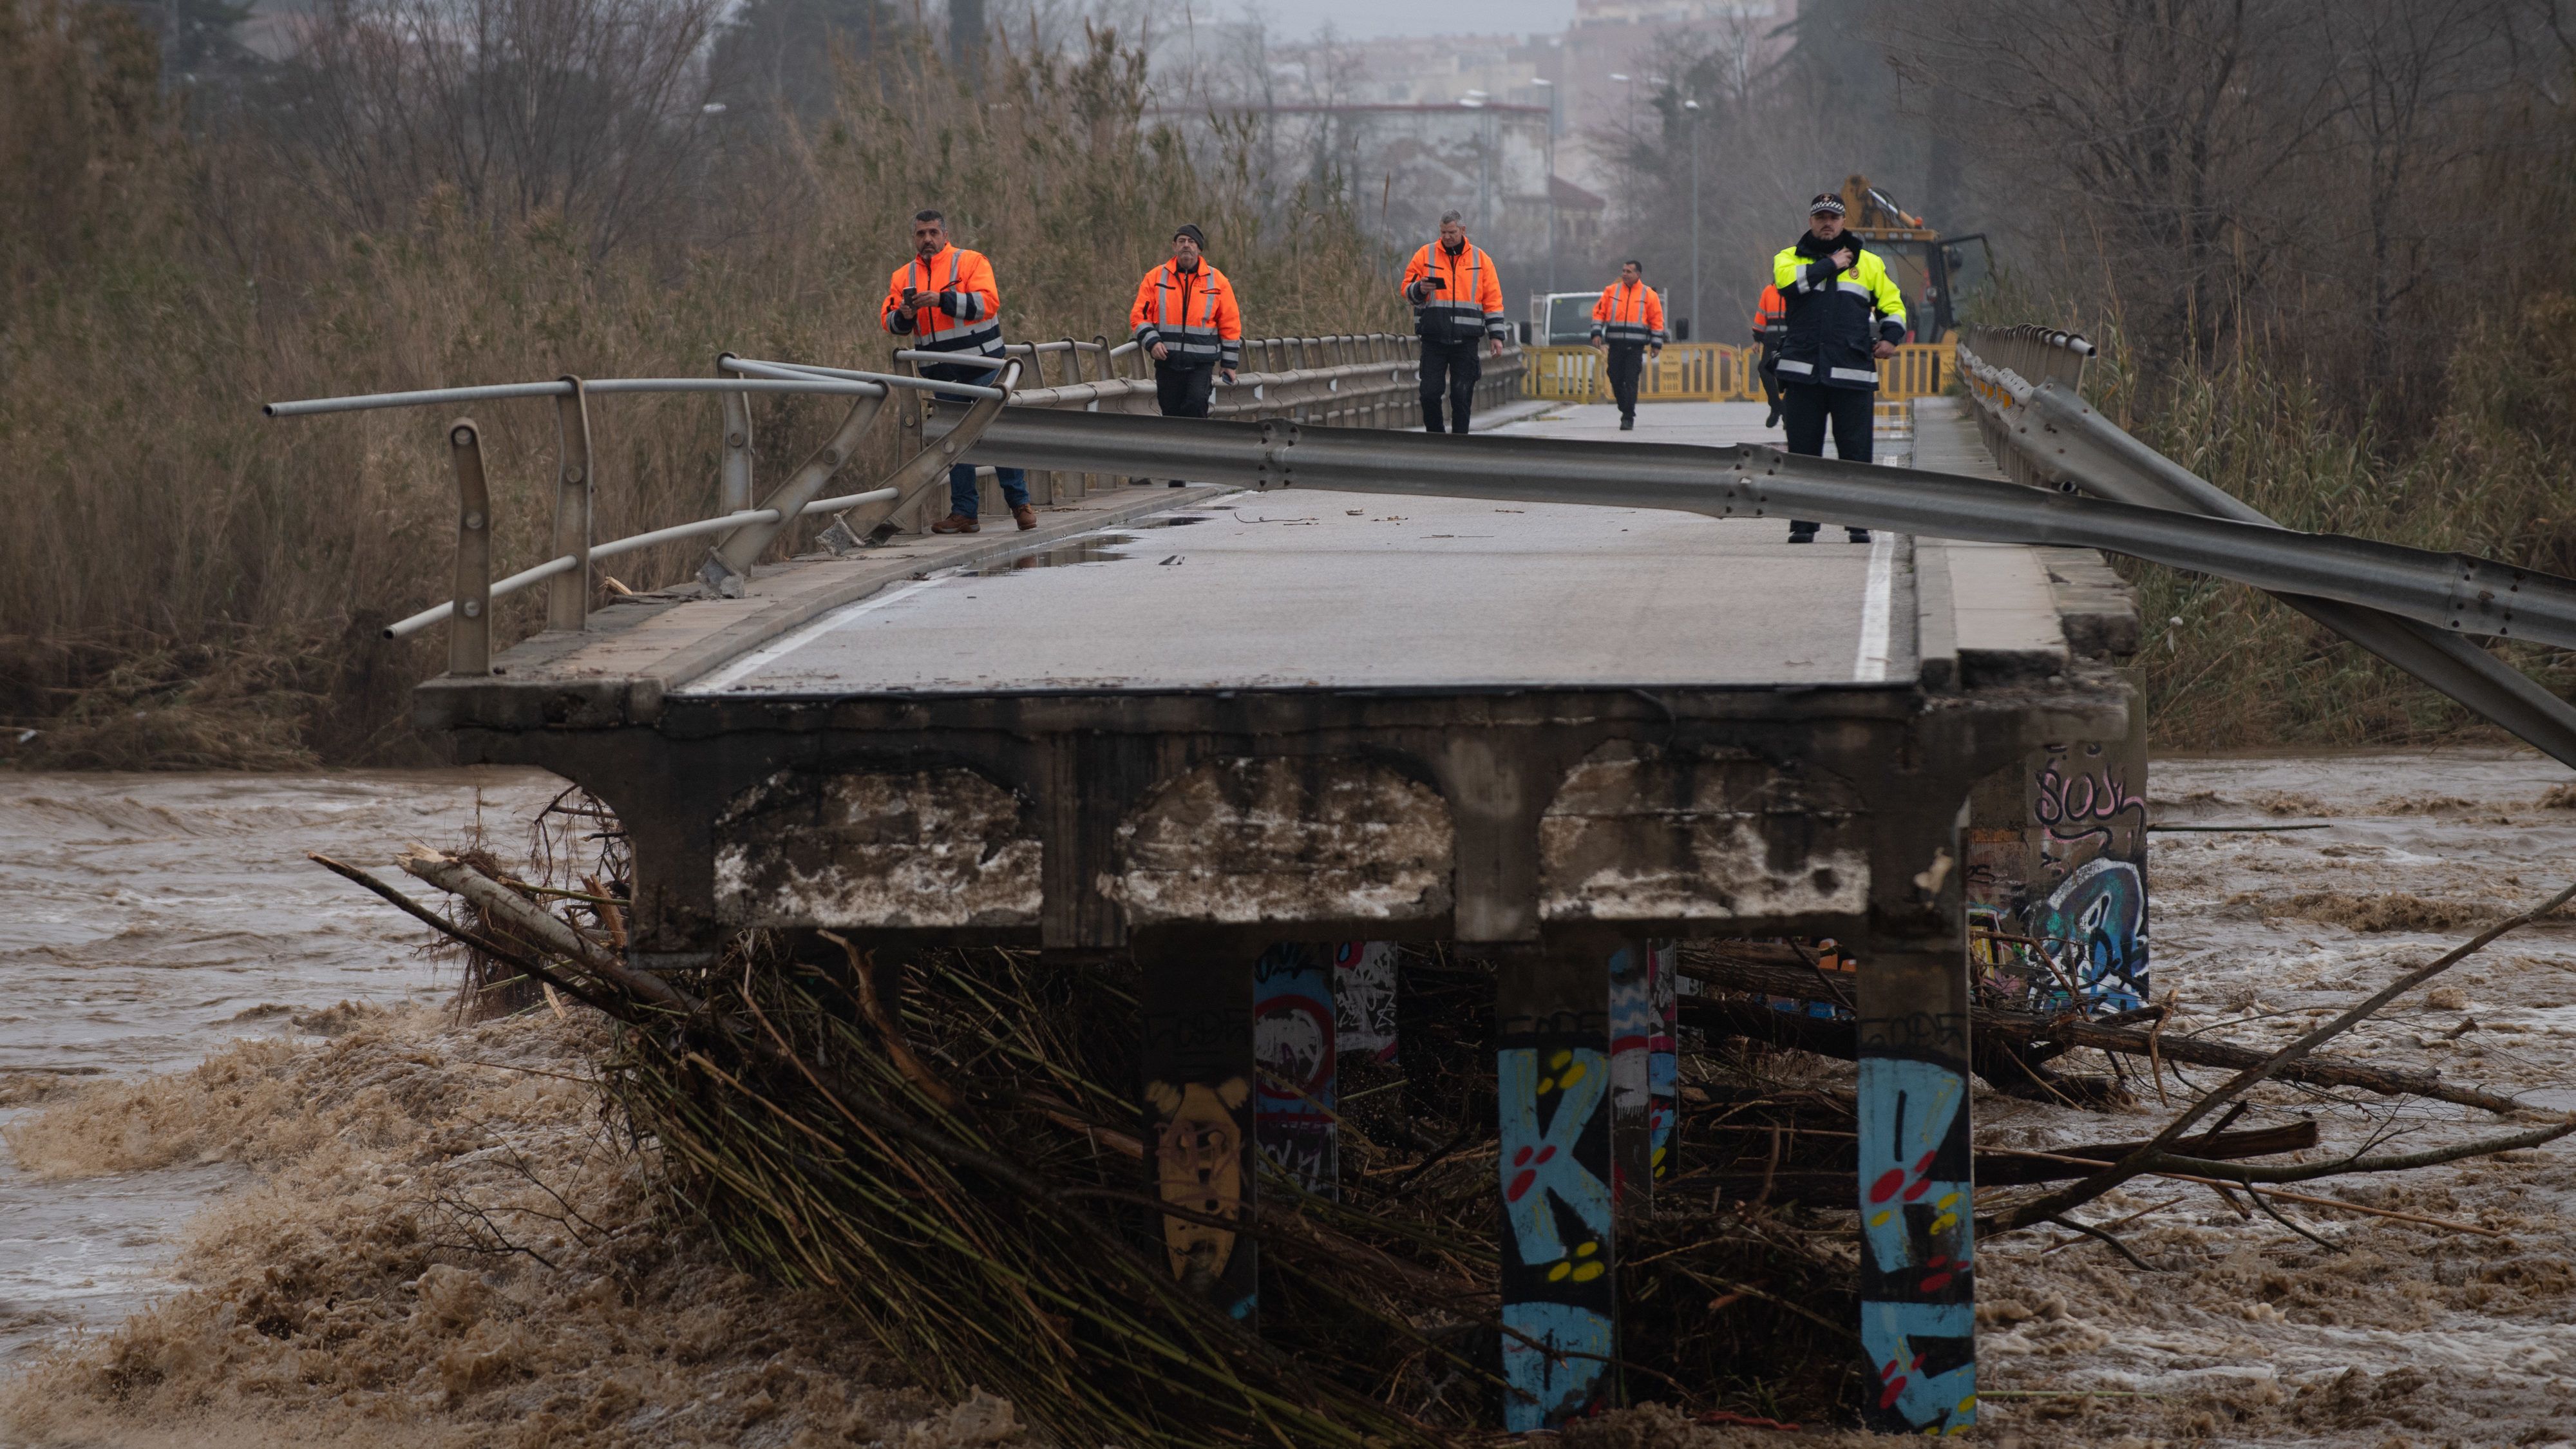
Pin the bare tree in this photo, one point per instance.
(2164, 128)
(591, 109)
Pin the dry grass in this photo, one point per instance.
(2491, 478)
(187, 584)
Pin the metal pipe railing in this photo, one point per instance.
(897, 379)
(564, 563)
(307, 407)
(1335, 380)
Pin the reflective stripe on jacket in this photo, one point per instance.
(1829, 331)
(1466, 297)
(969, 316)
(1630, 314)
(1192, 313)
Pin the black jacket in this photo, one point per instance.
(1835, 314)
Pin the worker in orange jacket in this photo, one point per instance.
(1186, 320)
(1457, 301)
(945, 300)
(1627, 323)
(1770, 328)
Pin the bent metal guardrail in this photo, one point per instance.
(2448, 591)
(1365, 379)
(2027, 385)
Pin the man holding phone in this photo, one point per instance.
(1457, 305)
(946, 300)
(1844, 315)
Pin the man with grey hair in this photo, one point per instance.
(1457, 300)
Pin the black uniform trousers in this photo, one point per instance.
(1184, 388)
(1627, 360)
(1805, 408)
(1451, 369)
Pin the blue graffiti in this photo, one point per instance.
(1553, 1354)
(1943, 1402)
(2095, 928)
(1906, 1111)
(1540, 1164)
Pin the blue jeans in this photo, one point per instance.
(962, 493)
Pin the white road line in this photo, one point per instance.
(1871, 666)
(760, 658)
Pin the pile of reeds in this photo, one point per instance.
(948, 1143)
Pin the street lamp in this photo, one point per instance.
(1551, 178)
(1691, 109)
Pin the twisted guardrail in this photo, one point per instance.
(1365, 380)
(2027, 386)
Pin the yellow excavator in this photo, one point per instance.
(1929, 267)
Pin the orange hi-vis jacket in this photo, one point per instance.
(1466, 297)
(968, 315)
(1770, 317)
(1191, 313)
(1627, 314)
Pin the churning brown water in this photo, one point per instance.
(147, 920)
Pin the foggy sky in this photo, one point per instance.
(1298, 19)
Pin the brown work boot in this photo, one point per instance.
(956, 523)
(1025, 516)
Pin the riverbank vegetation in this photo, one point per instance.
(186, 584)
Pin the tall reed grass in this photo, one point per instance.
(2495, 475)
(185, 584)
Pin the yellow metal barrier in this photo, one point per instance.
(1718, 372)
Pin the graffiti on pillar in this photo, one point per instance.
(2094, 930)
(1293, 1052)
(2057, 903)
(1198, 1166)
(1196, 1065)
(1364, 1000)
(1632, 1031)
(1663, 1056)
(1559, 1293)
(1917, 1278)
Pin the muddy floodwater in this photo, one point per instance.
(147, 922)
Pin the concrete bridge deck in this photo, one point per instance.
(1193, 725)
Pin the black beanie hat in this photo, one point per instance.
(1191, 230)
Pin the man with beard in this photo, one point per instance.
(1844, 314)
(1456, 300)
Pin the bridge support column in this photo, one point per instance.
(1552, 1091)
(1295, 1050)
(1196, 1076)
(1644, 1071)
(1917, 1214)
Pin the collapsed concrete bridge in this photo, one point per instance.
(1239, 733)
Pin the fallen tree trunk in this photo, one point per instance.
(1776, 971)
(1839, 1187)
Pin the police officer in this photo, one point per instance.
(1844, 315)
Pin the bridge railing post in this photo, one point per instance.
(568, 593)
(734, 470)
(469, 633)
